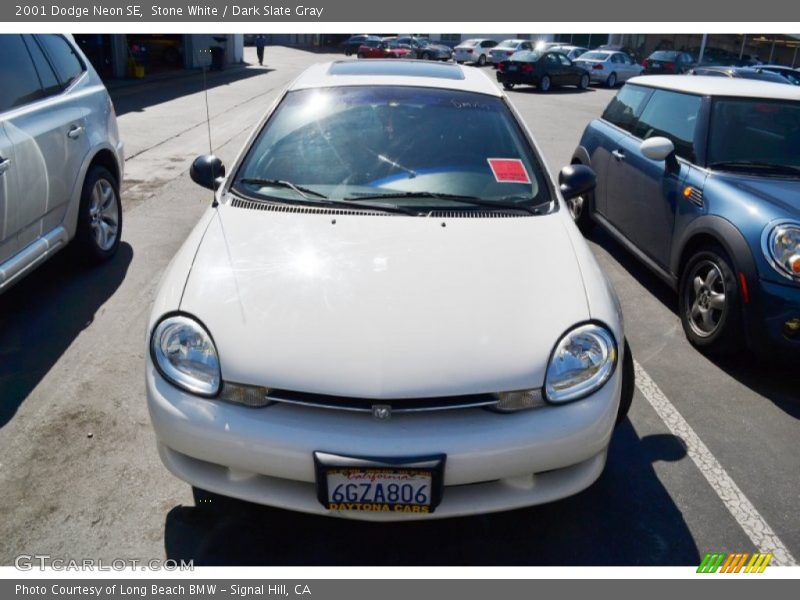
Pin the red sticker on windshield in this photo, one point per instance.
(509, 170)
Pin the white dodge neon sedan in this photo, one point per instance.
(387, 312)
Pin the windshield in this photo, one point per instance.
(507, 44)
(356, 142)
(470, 43)
(526, 56)
(752, 130)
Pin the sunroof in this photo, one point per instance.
(396, 68)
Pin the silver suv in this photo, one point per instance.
(61, 160)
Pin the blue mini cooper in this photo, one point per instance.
(699, 177)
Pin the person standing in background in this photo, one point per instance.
(261, 41)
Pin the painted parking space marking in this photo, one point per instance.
(739, 506)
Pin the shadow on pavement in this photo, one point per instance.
(554, 91)
(136, 97)
(625, 518)
(42, 315)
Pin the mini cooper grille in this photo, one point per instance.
(367, 405)
(319, 210)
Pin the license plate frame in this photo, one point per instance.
(431, 464)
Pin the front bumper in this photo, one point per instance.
(494, 461)
(779, 304)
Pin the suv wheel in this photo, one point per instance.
(100, 216)
(709, 301)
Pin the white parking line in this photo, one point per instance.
(749, 519)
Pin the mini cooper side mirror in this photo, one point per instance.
(208, 171)
(576, 180)
(657, 148)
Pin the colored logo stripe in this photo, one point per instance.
(734, 562)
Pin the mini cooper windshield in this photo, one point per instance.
(755, 136)
(415, 148)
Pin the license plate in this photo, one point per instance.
(512, 68)
(656, 66)
(408, 485)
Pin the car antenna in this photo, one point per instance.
(205, 94)
(204, 66)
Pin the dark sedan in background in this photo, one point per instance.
(668, 62)
(354, 42)
(541, 69)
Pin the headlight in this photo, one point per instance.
(582, 361)
(185, 355)
(781, 246)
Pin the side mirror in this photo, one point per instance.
(208, 171)
(576, 180)
(657, 148)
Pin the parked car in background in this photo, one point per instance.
(792, 75)
(61, 159)
(385, 48)
(571, 52)
(619, 48)
(609, 67)
(740, 73)
(424, 49)
(354, 42)
(541, 69)
(668, 62)
(506, 48)
(699, 178)
(474, 51)
(309, 316)
(714, 56)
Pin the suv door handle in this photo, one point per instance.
(75, 132)
(618, 154)
(4, 164)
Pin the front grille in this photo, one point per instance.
(396, 405)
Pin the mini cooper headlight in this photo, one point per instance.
(185, 355)
(582, 361)
(781, 246)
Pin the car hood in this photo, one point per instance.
(782, 193)
(385, 306)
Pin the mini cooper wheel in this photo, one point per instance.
(612, 80)
(508, 86)
(584, 82)
(482, 60)
(709, 301)
(99, 217)
(544, 83)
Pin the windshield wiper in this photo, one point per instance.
(752, 165)
(474, 200)
(303, 191)
(325, 201)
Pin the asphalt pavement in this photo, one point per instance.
(707, 461)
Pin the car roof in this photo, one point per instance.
(718, 86)
(396, 72)
(518, 41)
